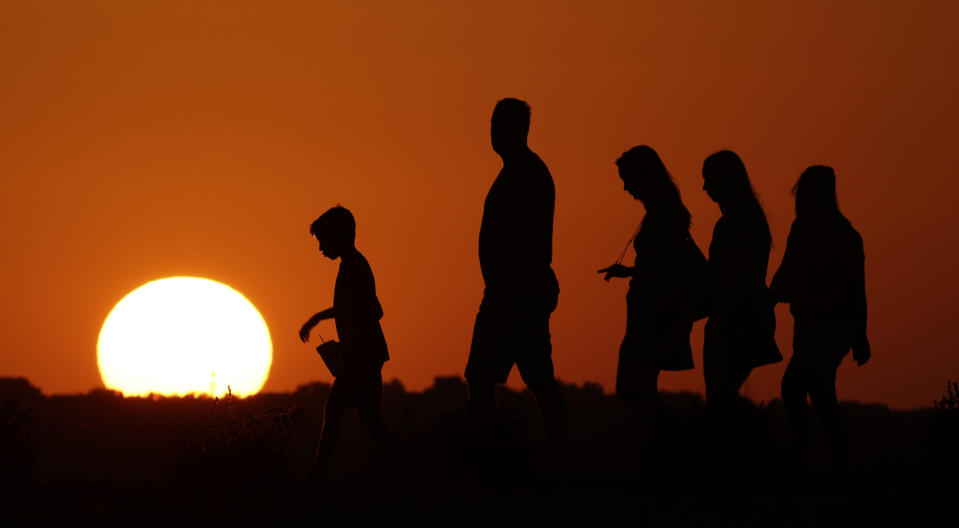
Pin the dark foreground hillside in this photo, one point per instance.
(101, 455)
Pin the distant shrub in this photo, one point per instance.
(943, 438)
(231, 448)
(454, 447)
(949, 403)
(19, 443)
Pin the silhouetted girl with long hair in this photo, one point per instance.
(657, 322)
(822, 277)
(740, 332)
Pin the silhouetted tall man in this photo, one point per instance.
(515, 252)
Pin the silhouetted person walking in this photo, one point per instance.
(356, 312)
(659, 314)
(822, 277)
(515, 253)
(740, 332)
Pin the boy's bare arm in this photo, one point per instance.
(312, 321)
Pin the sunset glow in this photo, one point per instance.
(141, 140)
(182, 335)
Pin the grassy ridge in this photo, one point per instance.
(156, 451)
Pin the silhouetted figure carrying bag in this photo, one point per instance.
(667, 288)
(356, 359)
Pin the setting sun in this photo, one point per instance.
(182, 335)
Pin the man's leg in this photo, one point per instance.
(482, 399)
(487, 361)
(535, 362)
(552, 407)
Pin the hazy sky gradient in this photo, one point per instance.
(140, 140)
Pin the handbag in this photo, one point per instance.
(332, 354)
(690, 293)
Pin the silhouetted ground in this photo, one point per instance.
(162, 460)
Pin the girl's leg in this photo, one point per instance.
(794, 389)
(723, 380)
(644, 397)
(727, 414)
(824, 399)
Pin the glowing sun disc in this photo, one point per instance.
(183, 335)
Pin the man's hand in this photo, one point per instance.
(861, 352)
(616, 270)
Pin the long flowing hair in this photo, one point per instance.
(662, 196)
(815, 194)
(726, 170)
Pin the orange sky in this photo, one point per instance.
(140, 140)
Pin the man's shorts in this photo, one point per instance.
(511, 329)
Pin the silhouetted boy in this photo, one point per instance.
(356, 312)
(515, 253)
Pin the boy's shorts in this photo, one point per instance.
(358, 390)
(510, 328)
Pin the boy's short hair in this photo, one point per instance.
(337, 222)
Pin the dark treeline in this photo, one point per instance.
(102, 438)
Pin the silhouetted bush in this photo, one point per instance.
(948, 405)
(208, 446)
(944, 437)
(452, 446)
(20, 391)
(19, 441)
(235, 449)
